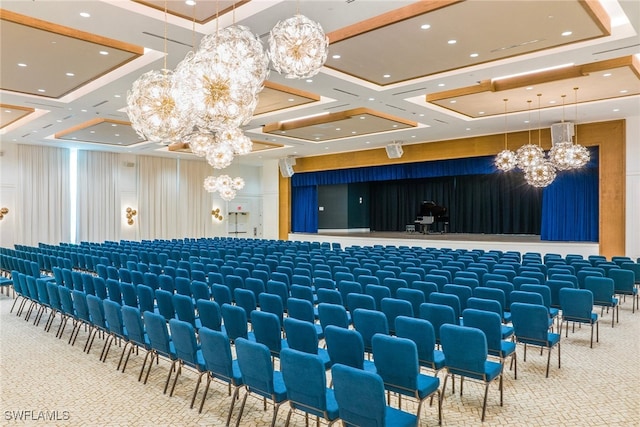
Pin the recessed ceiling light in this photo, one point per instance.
(371, 99)
(530, 88)
(440, 84)
(367, 142)
(606, 75)
(317, 138)
(474, 55)
(362, 117)
(468, 129)
(453, 102)
(104, 52)
(336, 56)
(113, 125)
(421, 115)
(480, 112)
(425, 26)
(353, 132)
(92, 131)
(552, 102)
(83, 110)
(395, 126)
(283, 131)
(190, 3)
(69, 74)
(85, 15)
(624, 91)
(566, 33)
(338, 129)
(616, 109)
(452, 41)
(21, 64)
(309, 80)
(290, 99)
(7, 111)
(59, 121)
(41, 90)
(526, 121)
(413, 136)
(326, 148)
(117, 134)
(116, 96)
(386, 76)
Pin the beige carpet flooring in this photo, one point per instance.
(44, 381)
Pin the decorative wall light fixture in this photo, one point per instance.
(216, 214)
(130, 214)
(3, 212)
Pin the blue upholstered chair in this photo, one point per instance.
(603, 289)
(360, 397)
(465, 353)
(577, 306)
(345, 346)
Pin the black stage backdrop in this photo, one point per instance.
(489, 203)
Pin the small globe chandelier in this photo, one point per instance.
(506, 160)
(200, 142)
(226, 186)
(236, 139)
(580, 154)
(541, 174)
(219, 155)
(529, 154)
(562, 151)
(298, 47)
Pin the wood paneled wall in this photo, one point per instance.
(608, 136)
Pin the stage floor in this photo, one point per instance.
(505, 242)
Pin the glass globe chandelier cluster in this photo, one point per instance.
(540, 171)
(214, 90)
(225, 185)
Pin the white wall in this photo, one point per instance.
(270, 196)
(632, 237)
(8, 185)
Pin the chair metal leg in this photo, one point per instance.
(233, 401)
(127, 346)
(195, 392)
(276, 406)
(286, 424)
(204, 395)
(444, 388)
(175, 379)
(525, 351)
(484, 403)
(244, 401)
(548, 361)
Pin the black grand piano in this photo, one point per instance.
(430, 213)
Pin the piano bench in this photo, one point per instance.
(410, 228)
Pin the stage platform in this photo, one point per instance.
(503, 242)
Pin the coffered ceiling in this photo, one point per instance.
(408, 71)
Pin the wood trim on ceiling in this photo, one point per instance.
(69, 32)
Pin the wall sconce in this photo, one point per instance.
(216, 214)
(130, 214)
(3, 212)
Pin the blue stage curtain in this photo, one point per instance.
(570, 207)
(304, 209)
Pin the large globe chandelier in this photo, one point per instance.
(218, 86)
(298, 47)
(152, 109)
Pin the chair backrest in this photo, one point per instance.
(462, 292)
(132, 321)
(396, 361)
(305, 379)
(95, 309)
(602, 289)
(81, 308)
(493, 294)
(355, 301)
(301, 335)
(331, 296)
(369, 323)
(378, 292)
(113, 287)
(554, 287)
(414, 296)
(185, 309)
(279, 288)
(245, 299)
(421, 332)
(488, 322)
(345, 346)
(216, 351)
(394, 284)
(183, 336)
(438, 315)
(146, 298)
(623, 279)
(235, 321)
(360, 397)
(526, 297)
(209, 314)
(447, 299)
(221, 294)
(254, 360)
(54, 296)
(392, 308)
(576, 303)
(332, 314)
(530, 322)
(267, 329)
(465, 350)
(301, 309)
(200, 290)
(156, 327)
(165, 304)
(167, 283)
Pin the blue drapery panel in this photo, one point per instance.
(570, 207)
(456, 167)
(304, 209)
